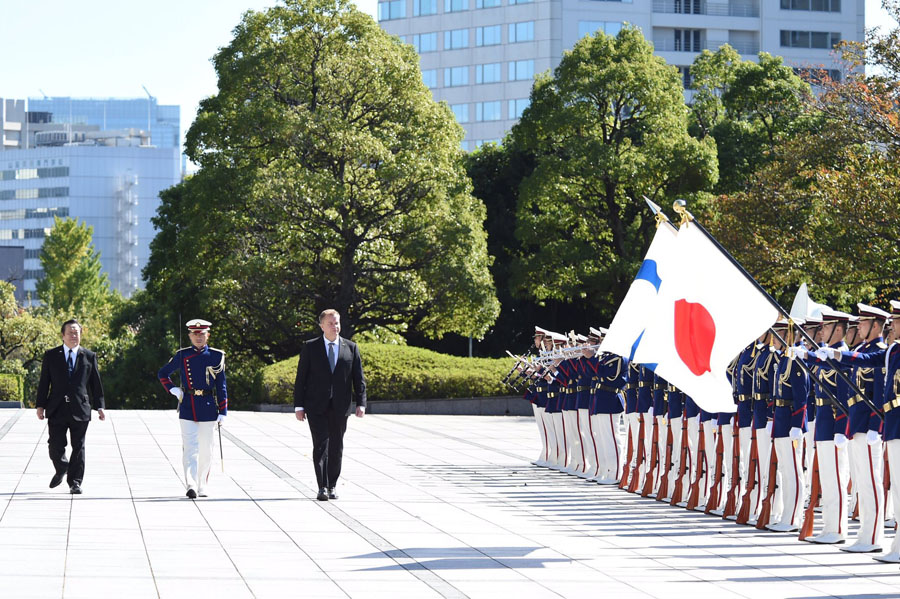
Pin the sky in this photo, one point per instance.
(110, 48)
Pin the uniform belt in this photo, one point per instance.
(551, 395)
(539, 389)
(894, 403)
(744, 398)
(854, 400)
(762, 396)
(784, 403)
(580, 388)
(644, 384)
(570, 390)
(606, 388)
(201, 392)
(821, 401)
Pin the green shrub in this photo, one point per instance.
(401, 372)
(11, 387)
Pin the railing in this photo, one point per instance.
(746, 48)
(689, 7)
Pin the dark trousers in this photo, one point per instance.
(327, 431)
(57, 428)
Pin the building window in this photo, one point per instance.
(521, 32)
(512, 2)
(517, 107)
(424, 42)
(687, 40)
(422, 8)
(455, 39)
(521, 70)
(32, 254)
(461, 112)
(488, 111)
(33, 274)
(429, 78)
(810, 39)
(488, 36)
(481, 142)
(456, 76)
(687, 7)
(455, 5)
(395, 9)
(20, 213)
(487, 3)
(487, 73)
(812, 5)
(591, 27)
(34, 173)
(685, 73)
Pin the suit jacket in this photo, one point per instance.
(56, 388)
(317, 389)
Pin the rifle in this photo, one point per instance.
(654, 460)
(623, 482)
(713, 501)
(766, 512)
(806, 530)
(639, 459)
(664, 477)
(694, 495)
(682, 466)
(731, 500)
(744, 513)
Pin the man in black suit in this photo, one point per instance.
(329, 373)
(69, 381)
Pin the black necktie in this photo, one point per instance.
(71, 363)
(331, 356)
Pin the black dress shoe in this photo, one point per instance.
(331, 493)
(322, 496)
(57, 478)
(192, 494)
(75, 489)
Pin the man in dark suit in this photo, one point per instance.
(70, 380)
(329, 373)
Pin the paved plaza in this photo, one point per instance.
(429, 506)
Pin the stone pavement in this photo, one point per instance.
(430, 506)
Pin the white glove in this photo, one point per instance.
(795, 433)
(800, 352)
(872, 437)
(221, 418)
(840, 440)
(650, 413)
(769, 427)
(177, 392)
(821, 353)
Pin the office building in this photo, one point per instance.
(110, 180)
(480, 56)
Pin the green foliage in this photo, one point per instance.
(329, 178)
(401, 372)
(609, 126)
(11, 387)
(73, 282)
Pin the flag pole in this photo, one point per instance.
(680, 206)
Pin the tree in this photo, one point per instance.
(73, 283)
(609, 126)
(329, 178)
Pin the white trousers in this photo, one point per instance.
(573, 440)
(867, 470)
(676, 454)
(706, 460)
(764, 453)
(606, 429)
(833, 471)
(559, 427)
(893, 451)
(727, 465)
(791, 474)
(809, 438)
(633, 426)
(550, 432)
(197, 450)
(586, 441)
(693, 455)
(648, 449)
(745, 436)
(663, 429)
(542, 432)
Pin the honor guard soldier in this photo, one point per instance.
(763, 412)
(831, 433)
(659, 411)
(536, 394)
(889, 359)
(706, 457)
(813, 327)
(202, 402)
(555, 400)
(645, 411)
(790, 394)
(866, 450)
(606, 405)
(587, 378)
(743, 393)
(675, 413)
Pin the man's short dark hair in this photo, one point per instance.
(328, 312)
(62, 331)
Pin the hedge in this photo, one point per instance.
(12, 387)
(401, 372)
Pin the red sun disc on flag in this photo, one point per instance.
(695, 333)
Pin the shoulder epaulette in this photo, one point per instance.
(881, 345)
(218, 350)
